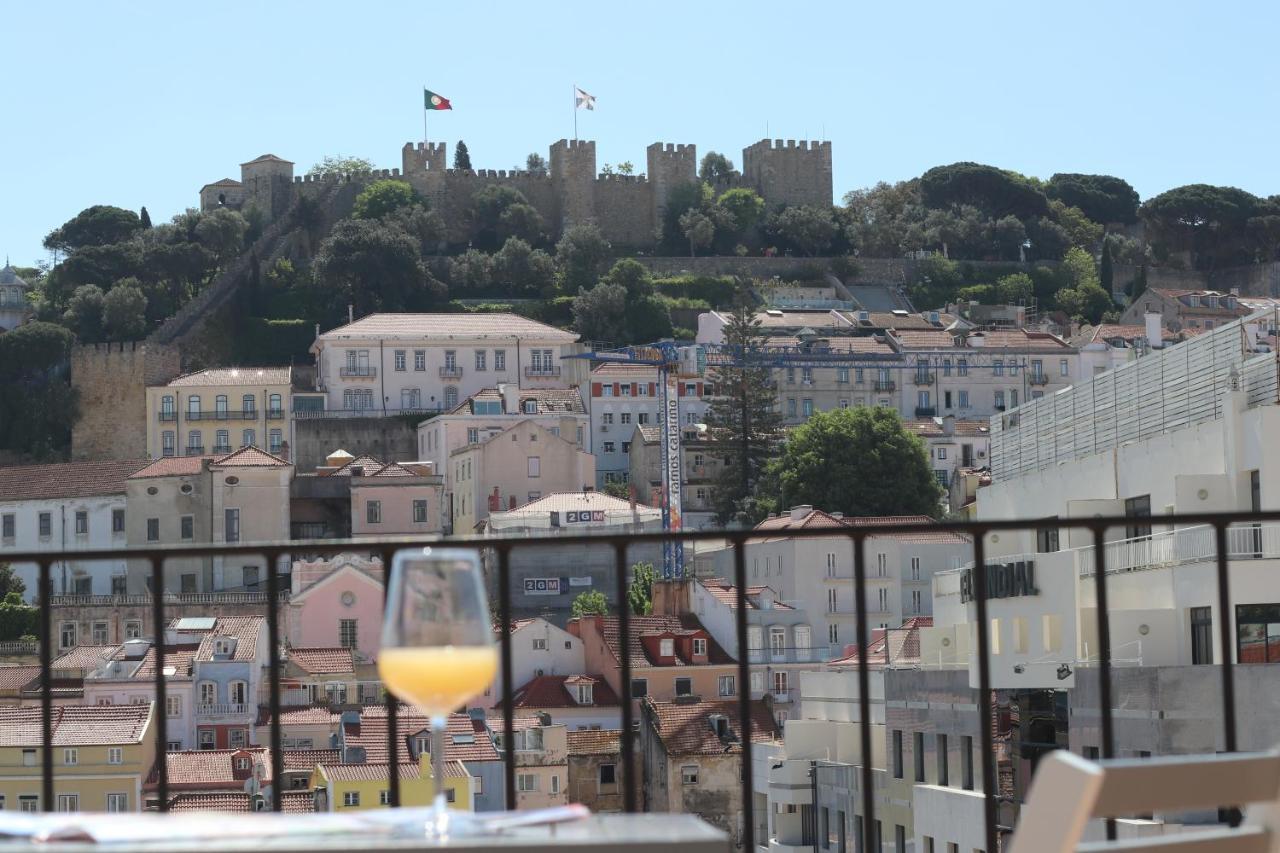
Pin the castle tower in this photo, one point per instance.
(573, 173)
(789, 174)
(268, 184)
(423, 156)
(669, 166)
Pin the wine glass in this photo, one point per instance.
(437, 644)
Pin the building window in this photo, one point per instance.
(117, 802)
(420, 511)
(248, 438)
(831, 601)
(699, 647)
(384, 798)
(791, 407)
(68, 802)
(82, 522)
(942, 759)
(195, 443)
(275, 441)
(684, 686)
(780, 683)
(608, 774)
(173, 706)
(526, 782)
(166, 408)
(153, 530)
(451, 397)
(115, 755)
(728, 686)
(1139, 507)
(400, 360)
(67, 635)
(1064, 368)
(249, 404)
(689, 774)
(99, 633)
(962, 399)
(1202, 635)
(188, 526)
(917, 749)
(481, 359)
(966, 762)
(275, 405)
(806, 407)
(351, 798)
(8, 526)
(222, 441)
(167, 443)
(132, 627)
(833, 633)
(237, 738)
(499, 359)
(639, 688)
(1257, 633)
(231, 528)
(70, 757)
(373, 512)
(535, 466)
(999, 399)
(193, 406)
(348, 631)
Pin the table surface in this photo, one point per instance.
(636, 833)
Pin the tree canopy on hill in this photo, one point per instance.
(1102, 198)
(1219, 226)
(995, 192)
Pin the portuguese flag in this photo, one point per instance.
(432, 101)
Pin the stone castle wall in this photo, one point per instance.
(389, 439)
(111, 379)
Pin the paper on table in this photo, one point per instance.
(105, 828)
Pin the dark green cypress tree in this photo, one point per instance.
(461, 157)
(1105, 272)
(145, 217)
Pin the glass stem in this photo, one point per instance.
(438, 726)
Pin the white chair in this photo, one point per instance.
(1068, 791)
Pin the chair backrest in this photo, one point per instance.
(1068, 791)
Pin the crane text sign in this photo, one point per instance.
(1004, 580)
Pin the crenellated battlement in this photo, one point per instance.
(333, 178)
(622, 179)
(672, 150)
(788, 144)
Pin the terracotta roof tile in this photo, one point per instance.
(650, 626)
(187, 466)
(371, 734)
(932, 427)
(309, 759)
(594, 742)
(898, 647)
(234, 376)
(727, 593)
(291, 802)
(250, 457)
(776, 318)
(548, 400)
(622, 368)
(301, 715)
(859, 345)
(245, 630)
(178, 658)
(76, 725)
(211, 769)
(464, 326)
(323, 660)
(66, 480)
(553, 691)
(15, 677)
(84, 657)
(685, 728)
(566, 501)
(376, 771)
(818, 519)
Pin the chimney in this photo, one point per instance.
(510, 398)
(949, 425)
(977, 340)
(511, 502)
(351, 313)
(495, 501)
(1155, 330)
(800, 513)
(671, 597)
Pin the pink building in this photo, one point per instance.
(337, 603)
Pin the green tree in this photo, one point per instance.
(99, 225)
(1207, 221)
(744, 205)
(881, 220)
(698, 229)
(626, 167)
(640, 590)
(1083, 298)
(859, 461)
(1080, 229)
(691, 195)
(600, 314)
(340, 164)
(37, 405)
(462, 157)
(471, 272)
(373, 266)
(936, 281)
(425, 226)
(520, 269)
(144, 218)
(810, 230)
(124, 312)
(84, 313)
(536, 163)
(10, 583)
(1015, 289)
(621, 491)
(17, 619)
(581, 255)
(382, 198)
(995, 192)
(743, 424)
(1106, 275)
(715, 167)
(632, 275)
(1103, 198)
(592, 603)
(222, 231)
(1009, 235)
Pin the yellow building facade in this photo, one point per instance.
(102, 755)
(350, 787)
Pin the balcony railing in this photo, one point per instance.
(535, 372)
(1230, 536)
(884, 385)
(1185, 545)
(168, 417)
(1039, 379)
(451, 373)
(222, 415)
(275, 414)
(195, 449)
(923, 379)
(925, 411)
(361, 372)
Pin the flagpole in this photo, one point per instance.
(424, 115)
(575, 112)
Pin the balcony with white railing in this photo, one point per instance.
(1185, 545)
(222, 709)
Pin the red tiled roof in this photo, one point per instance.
(309, 759)
(76, 725)
(377, 771)
(179, 657)
(685, 728)
(852, 344)
(66, 480)
(234, 376)
(932, 428)
(553, 691)
(925, 339)
(898, 647)
(464, 326)
(210, 769)
(371, 734)
(187, 466)
(303, 715)
(642, 626)
(323, 660)
(623, 368)
(814, 519)
(15, 677)
(594, 741)
(244, 629)
(291, 802)
(727, 593)
(250, 457)
(84, 657)
(819, 519)
(364, 461)
(1021, 339)
(548, 400)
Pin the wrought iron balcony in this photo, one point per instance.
(926, 411)
(275, 414)
(166, 417)
(1039, 379)
(884, 385)
(358, 372)
(454, 372)
(534, 372)
(195, 449)
(923, 379)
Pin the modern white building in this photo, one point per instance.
(815, 574)
(492, 410)
(419, 363)
(66, 506)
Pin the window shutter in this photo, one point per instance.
(597, 389)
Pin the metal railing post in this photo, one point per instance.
(1225, 623)
(989, 776)
(391, 703)
(162, 694)
(861, 637)
(626, 737)
(46, 685)
(273, 674)
(744, 691)
(508, 674)
(1104, 652)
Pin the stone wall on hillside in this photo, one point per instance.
(391, 439)
(111, 379)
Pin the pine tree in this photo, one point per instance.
(145, 217)
(743, 423)
(461, 157)
(1105, 272)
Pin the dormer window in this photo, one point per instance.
(243, 763)
(585, 694)
(529, 407)
(667, 648)
(699, 647)
(223, 646)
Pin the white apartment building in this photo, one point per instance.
(492, 410)
(537, 648)
(417, 363)
(623, 397)
(816, 574)
(66, 506)
(953, 444)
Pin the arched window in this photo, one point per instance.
(166, 407)
(274, 404)
(249, 404)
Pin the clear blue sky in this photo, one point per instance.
(141, 103)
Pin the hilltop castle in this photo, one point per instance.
(626, 208)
